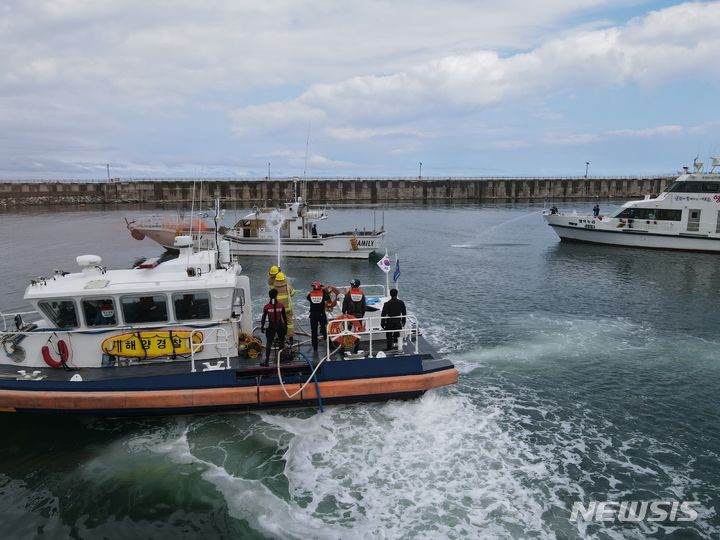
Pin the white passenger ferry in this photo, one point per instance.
(686, 216)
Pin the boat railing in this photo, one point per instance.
(220, 335)
(371, 287)
(11, 316)
(366, 328)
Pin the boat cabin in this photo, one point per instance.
(151, 311)
(296, 220)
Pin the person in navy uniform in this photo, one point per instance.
(274, 314)
(318, 318)
(393, 308)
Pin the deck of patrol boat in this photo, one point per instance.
(171, 387)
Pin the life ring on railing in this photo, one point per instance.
(341, 330)
(333, 292)
(62, 350)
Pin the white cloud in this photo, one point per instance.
(178, 84)
(349, 133)
(649, 132)
(637, 52)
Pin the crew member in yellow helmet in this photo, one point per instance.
(285, 292)
(271, 275)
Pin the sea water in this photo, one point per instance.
(587, 373)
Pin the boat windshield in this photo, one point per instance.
(694, 187)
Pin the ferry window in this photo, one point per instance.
(144, 309)
(686, 187)
(60, 312)
(712, 188)
(666, 214)
(191, 306)
(99, 312)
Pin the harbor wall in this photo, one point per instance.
(356, 190)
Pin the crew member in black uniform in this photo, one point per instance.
(318, 319)
(274, 313)
(393, 308)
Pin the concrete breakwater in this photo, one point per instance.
(355, 190)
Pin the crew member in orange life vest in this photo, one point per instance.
(354, 301)
(274, 312)
(318, 319)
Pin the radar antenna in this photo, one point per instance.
(698, 165)
(715, 163)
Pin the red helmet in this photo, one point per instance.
(316, 284)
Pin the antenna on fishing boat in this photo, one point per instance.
(307, 151)
(215, 220)
(192, 211)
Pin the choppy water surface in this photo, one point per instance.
(588, 373)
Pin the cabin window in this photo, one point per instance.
(144, 309)
(191, 306)
(686, 187)
(99, 312)
(659, 214)
(711, 187)
(61, 313)
(666, 214)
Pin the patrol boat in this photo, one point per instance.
(257, 233)
(686, 216)
(178, 336)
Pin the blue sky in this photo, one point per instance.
(467, 87)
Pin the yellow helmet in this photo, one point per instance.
(280, 277)
(274, 270)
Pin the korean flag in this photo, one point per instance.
(384, 264)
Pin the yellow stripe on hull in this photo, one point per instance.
(152, 344)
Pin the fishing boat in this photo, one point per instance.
(179, 336)
(295, 224)
(686, 216)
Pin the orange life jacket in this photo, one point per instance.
(356, 295)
